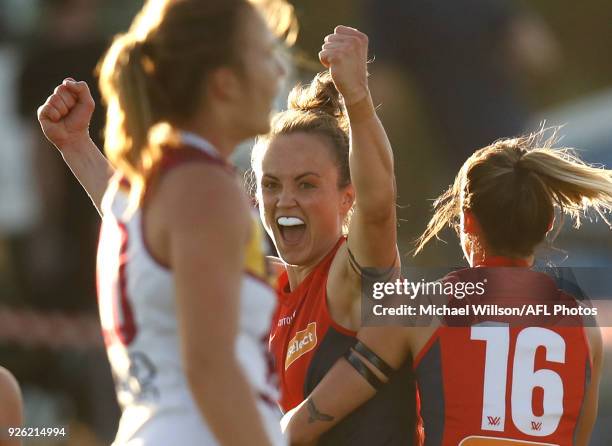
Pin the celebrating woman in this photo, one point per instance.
(184, 303)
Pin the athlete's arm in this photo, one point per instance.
(343, 389)
(64, 118)
(372, 231)
(11, 407)
(589, 412)
(205, 222)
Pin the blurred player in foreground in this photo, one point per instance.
(518, 382)
(183, 298)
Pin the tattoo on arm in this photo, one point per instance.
(314, 414)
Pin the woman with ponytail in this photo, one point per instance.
(183, 298)
(491, 380)
(326, 193)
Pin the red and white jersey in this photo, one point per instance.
(504, 381)
(136, 296)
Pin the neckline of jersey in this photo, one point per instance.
(197, 142)
(297, 295)
(503, 261)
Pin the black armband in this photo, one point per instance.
(363, 369)
(373, 358)
(381, 275)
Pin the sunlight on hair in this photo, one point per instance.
(151, 75)
(558, 179)
(280, 16)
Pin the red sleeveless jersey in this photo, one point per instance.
(301, 322)
(494, 382)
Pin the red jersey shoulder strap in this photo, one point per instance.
(321, 269)
(325, 264)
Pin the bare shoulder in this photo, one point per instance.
(200, 191)
(595, 344)
(343, 288)
(340, 276)
(8, 384)
(191, 198)
(344, 291)
(10, 399)
(593, 334)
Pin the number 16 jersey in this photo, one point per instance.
(495, 381)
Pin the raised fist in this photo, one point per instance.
(345, 53)
(65, 115)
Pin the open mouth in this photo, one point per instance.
(292, 229)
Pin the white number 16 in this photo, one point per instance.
(524, 379)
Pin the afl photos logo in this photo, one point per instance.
(303, 342)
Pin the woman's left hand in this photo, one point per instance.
(345, 53)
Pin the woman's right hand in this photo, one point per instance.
(65, 115)
(64, 119)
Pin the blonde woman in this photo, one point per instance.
(184, 302)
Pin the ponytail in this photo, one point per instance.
(151, 77)
(124, 81)
(513, 186)
(575, 186)
(321, 96)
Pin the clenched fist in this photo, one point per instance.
(345, 53)
(65, 115)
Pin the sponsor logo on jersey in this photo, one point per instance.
(303, 342)
(535, 426)
(284, 321)
(494, 421)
